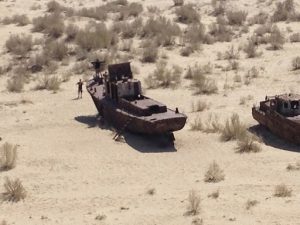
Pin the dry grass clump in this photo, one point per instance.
(193, 207)
(20, 20)
(164, 77)
(199, 106)
(197, 221)
(71, 32)
(234, 129)
(247, 144)
(251, 203)
(231, 53)
(8, 156)
(295, 37)
(19, 44)
(52, 25)
(197, 124)
(245, 99)
(80, 67)
(97, 13)
(49, 83)
(214, 173)
(54, 6)
(15, 84)
(149, 53)
(282, 191)
(214, 194)
(291, 167)
(276, 39)
(284, 11)
(132, 10)
(160, 30)
(251, 49)
(187, 14)
(219, 7)
(211, 125)
(200, 82)
(236, 17)
(260, 18)
(95, 36)
(178, 2)
(194, 36)
(57, 50)
(296, 63)
(14, 190)
(220, 31)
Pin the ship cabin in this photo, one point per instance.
(287, 105)
(126, 92)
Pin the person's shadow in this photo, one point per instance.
(272, 140)
(142, 143)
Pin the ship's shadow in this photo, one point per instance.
(139, 142)
(272, 140)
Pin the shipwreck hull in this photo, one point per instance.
(278, 124)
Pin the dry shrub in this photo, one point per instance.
(211, 124)
(291, 167)
(251, 49)
(71, 32)
(14, 190)
(234, 129)
(199, 106)
(252, 73)
(19, 44)
(193, 207)
(164, 77)
(197, 124)
(49, 83)
(296, 63)
(295, 37)
(149, 54)
(95, 36)
(247, 144)
(218, 7)
(284, 11)
(220, 31)
(160, 30)
(187, 14)
(251, 203)
(20, 20)
(200, 82)
(39, 61)
(231, 53)
(15, 84)
(276, 39)
(236, 17)
(97, 13)
(54, 6)
(260, 18)
(282, 191)
(214, 194)
(245, 99)
(52, 25)
(178, 2)
(8, 156)
(197, 221)
(214, 173)
(195, 35)
(263, 29)
(132, 10)
(57, 50)
(80, 67)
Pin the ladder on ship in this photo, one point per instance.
(121, 131)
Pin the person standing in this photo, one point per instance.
(80, 84)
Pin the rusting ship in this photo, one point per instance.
(119, 100)
(281, 115)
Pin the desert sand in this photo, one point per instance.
(73, 171)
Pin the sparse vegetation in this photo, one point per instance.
(234, 129)
(19, 44)
(197, 221)
(20, 20)
(164, 77)
(49, 83)
(251, 49)
(220, 31)
(247, 144)
(199, 106)
(15, 84)
(14, 190)
(214, 173)
(260, 18)
(251, 203)
(282, 191)
(194, 201)
(57, 50)
(52, 25)
(296, 63)
(8, 156)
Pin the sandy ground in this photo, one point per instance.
(74, 171)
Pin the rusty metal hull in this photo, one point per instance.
(118, 117)
(278, 124)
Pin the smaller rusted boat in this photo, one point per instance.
(281, 115)
(119, 100)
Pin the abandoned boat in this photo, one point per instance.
(281, 115)
(119, 100)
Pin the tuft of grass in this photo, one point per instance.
(199, 106)
(8, 158)
(284, 11)
(251, 203)
(214, 173)
(214, 194)
(251, 49)
(236, 17)
(201, 83)
(282, 191)
(234, 129)
(296, 63)
(193, 207)
(52, 25)
(260, 18)
(56, 50)
(49, 83)
(187, 14)
(71, 32)
(14, 190)
(19, 44)
(197, 221)
(211, 125)
(276, 39)
(15, 84)
(295, 37)
(20, 20)
(100, 217)
(291, 167)
(178, 2)
(164, 77)
(149, 54)
(247, 144)
(220, 31)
